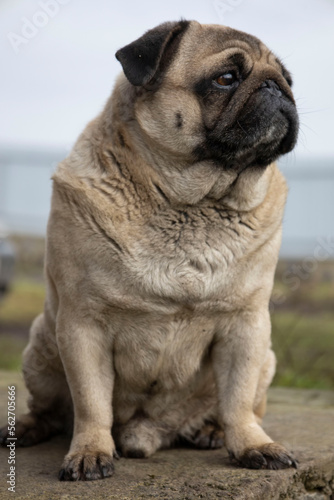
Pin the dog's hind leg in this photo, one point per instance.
(49, 401)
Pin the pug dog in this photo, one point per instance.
(162, 243)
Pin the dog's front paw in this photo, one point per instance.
(269, 456)
(86, 466)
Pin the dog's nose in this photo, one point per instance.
(271, 87)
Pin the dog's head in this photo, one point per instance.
(209, 92)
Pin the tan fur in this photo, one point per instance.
(159, 272)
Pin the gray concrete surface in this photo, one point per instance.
(303, 420)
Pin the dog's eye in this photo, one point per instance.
(225, 80)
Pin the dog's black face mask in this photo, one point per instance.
(255, 117)
(254, 134)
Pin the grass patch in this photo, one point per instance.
(304, 346)
(11, 348)
(298, 286)
(22, 304)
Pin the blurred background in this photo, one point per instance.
(58, 69)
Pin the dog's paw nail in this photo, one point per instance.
(105, 471)
(61, 475)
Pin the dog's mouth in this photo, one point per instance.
(264, 142)
(266, 128)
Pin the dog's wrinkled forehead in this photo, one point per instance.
(178, 50)
(216, 38)
(207, 48)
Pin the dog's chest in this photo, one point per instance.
(188, 255)
(153, 353)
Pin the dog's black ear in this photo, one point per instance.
(142, 58)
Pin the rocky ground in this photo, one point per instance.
(303, 420)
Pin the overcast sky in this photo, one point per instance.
(58, 75)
